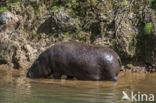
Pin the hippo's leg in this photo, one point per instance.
(57, 75)
(70, 77)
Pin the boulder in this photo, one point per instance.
(9, 22)
(61, 20)
(8, 17)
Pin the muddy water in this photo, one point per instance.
(16, 88)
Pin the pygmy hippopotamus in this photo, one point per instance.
(82, 61)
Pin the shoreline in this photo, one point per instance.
(124, 68)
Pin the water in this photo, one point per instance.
(16, 88)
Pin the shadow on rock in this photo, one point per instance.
(45, 27)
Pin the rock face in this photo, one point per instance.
(31, 27)
(150, 45)
(6, 17)
(9, 22)
(4, 48)
(126, 33)
(61, 20)
(17, 52)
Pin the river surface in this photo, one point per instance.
(16, 88)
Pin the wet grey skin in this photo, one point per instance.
(82, 61)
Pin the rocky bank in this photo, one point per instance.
(28, 27)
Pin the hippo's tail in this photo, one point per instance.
(119, 60)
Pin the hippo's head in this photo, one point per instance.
(40, 67)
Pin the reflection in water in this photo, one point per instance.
(16, 88)
(13, 86)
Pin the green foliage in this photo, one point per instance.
(83, 37)
(149, 28)
(125, 3)
(7, 1)
(140, 9)
(12, 1)
(37, 12)
(150, 3)
(3, 9)
(54, 8)
(16, 4)
(93, 2)
(132, 44)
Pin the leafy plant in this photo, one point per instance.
(37, 12)
(12, 1)
(54, 8)
(93, 1)
(148, 28)
(16, 4)
(7, 1)
(3, 9)
(150, 3)
(124, 3)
